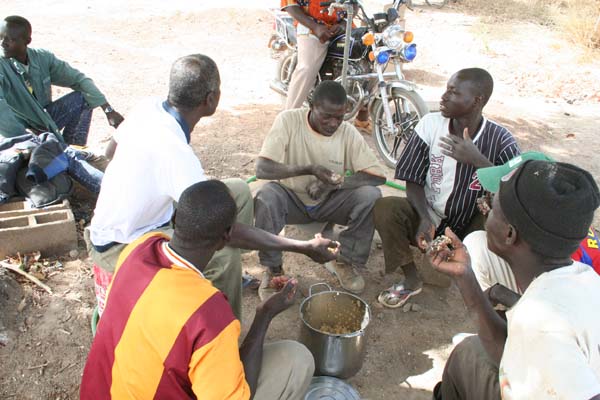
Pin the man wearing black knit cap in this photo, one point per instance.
(549, 347)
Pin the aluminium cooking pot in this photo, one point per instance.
(339, 355)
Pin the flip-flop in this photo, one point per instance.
(398, 293)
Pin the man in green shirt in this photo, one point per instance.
(26, 77)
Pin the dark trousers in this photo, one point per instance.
(397, 222)
(72, 114)
(276, 206)
(469, 374)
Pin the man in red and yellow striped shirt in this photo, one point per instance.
(167, 333)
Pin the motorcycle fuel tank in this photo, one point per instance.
(357, 48)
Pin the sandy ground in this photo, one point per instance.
(547, 92)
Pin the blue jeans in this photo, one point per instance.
(83, 172)
(72, 113)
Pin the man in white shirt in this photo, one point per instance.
(154, 163)
(549, 346)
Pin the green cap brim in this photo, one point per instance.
(490, 177)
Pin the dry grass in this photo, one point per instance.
(578, 20)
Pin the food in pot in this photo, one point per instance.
(341, 321)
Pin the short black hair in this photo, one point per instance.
(330, 91)
(20, 22)
(192, 78)
(481, 81)
(205, 211)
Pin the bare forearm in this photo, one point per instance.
(299, 15)
(251, 351)
(251, 238)
(269, 169)
(362, 179)
(491, 328)
(416, 197)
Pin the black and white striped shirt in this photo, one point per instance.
(451, 188)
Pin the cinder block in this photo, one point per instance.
(21, 207)
(49, 232)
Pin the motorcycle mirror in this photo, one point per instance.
(392, 15)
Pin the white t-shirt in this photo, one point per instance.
(553, 345)
(152, 166)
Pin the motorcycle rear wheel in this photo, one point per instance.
(286, 67)
(407, 108)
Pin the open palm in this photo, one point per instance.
(451, 260)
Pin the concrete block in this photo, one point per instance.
(22, 207)
(49, 232)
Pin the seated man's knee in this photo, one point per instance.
(368, 194)
(301, 357)
(385, 210)
(266, 195)
(238, 187)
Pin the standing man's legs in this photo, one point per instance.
(311, 53)
(72, 113)
(275, 207)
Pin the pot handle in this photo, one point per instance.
(318, 284)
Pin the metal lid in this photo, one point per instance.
(330, 388)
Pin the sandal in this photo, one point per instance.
(396, 295)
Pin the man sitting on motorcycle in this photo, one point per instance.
(315, 28)
(309, 151)
(439, 166)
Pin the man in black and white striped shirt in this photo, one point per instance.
(439, 166)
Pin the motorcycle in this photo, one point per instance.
(360, 65)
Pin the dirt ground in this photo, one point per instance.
(547, 92)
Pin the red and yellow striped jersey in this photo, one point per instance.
(166, 332)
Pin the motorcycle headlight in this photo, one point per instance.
(393, 37)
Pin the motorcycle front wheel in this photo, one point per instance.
(407, 108)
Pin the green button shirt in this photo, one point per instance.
(20, 109)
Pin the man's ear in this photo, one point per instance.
(28, 41)
(212, 101)
(511, 236)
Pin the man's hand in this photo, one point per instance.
(321, 250)
(315, 189)
(326, 175)
(451, 259)
(463, 150)
(281, 300)
(322, 32)
(425, 233)
(114, 119)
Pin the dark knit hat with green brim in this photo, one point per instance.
(551, 204)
